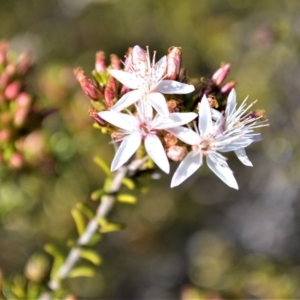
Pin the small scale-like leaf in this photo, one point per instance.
(129, 183)
(82, 271)
(58, 259)
(91, 256)
(106, 226)
(94, 240)
(107, 184)
(96, 195)
(85, 209)
(79, 220)
(127, 198)
(103, 165)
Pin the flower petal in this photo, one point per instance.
(118, 119)
(242, 156)
(186, 135)
(191, 163)
(205, 121)
(159, 69)
(126, 78)
(127, 99)
(231, 103)
(158, 101)
(174, 87)
(173, 120)
(156, 151)
(127, 148)
(219, 166)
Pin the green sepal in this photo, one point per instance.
(85, 209)
(103, 165)
(126, 198)
(91, 256)
(129, 183)
(82, 271)
(79, 220)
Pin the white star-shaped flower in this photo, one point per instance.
(138, 129)
(209, 139)
(146, 79)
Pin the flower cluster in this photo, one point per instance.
(154, 113)
(20, 114)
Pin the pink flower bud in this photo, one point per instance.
(5, 135)
(23, 100)
(111, 91)
(115, 62)
(173, 63)
(12, 90)
(100, 64)
(20, 117)
(93, 113)
(24, 63)
(16, 161)
(219, 76)
(226, 88)
(176, 153)
(87, 85)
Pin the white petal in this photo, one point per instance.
(205, 121)
(159, 69)
(120, 120)
(127, 148)
(126, 78)
(216, 115)
(231, 103)
(173, 120)
(158, 101)
(191, 163)
(242, 156)
(156, 151)
(221, 169)
(186, 135)
(174, 87)
(127, 99)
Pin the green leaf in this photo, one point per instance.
(91, 256)
(96, 195)
(127, 198)
(129, 183)
(85, 209)
(79, 220)
(103, 165)
(106, 226)
(82, 271)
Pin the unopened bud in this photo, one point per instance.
(177, 153)
(71, 297)
(173, 63)
(174, 105)
(117, 136)
(111, 91)
(226, 88)
(3, 52)
(11, 69)
(23, 100)
(12, 90)
(100, 64)
(16, 161)
(219, 76)
(20, 117)
(213, 103)
(87, 85)
(170, 140)
(36, 268)
(93, 113)
(115, 62)
(24, 63)
(5, 135)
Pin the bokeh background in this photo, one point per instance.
(201, 240)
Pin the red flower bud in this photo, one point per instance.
(87, 85)
(93, 113)
(100, 64)
(115, 62)
(219, 76)
(111, 91)
(226, 88)
(12, 90)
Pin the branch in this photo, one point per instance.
(103, 209)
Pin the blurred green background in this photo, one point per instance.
(201, 239)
